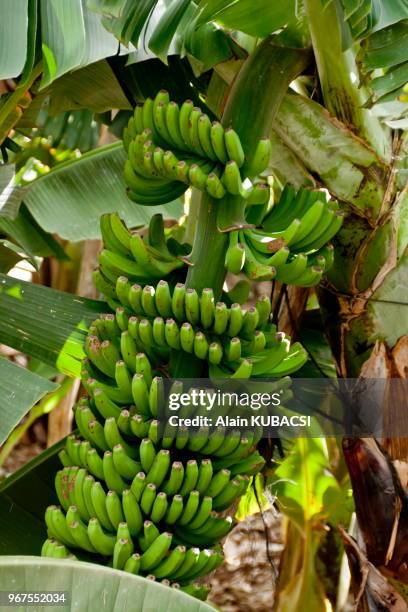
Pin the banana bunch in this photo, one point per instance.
(234, 342)
(167, 493)
(170, 148)
(136, 495)
(292, 244)
(233, 452)
(140, 259)
(107, 528)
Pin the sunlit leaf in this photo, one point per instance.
(13, 37)
(82, 190)
(304, 488)
(72, 36)
(63, 37)
(11, 194)
(44, 323)
(20, 389)
(254, 17)
(99, 43)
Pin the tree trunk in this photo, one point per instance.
(364, 303)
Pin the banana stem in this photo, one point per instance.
(343, 94)
(251, 106)
(209, 251)
(192, 216)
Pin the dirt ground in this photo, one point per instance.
(245, 582)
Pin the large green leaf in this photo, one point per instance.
(44, 323)
(255, 17)
(94, 87)
(63, 37)
(367, 16)
(387, 47)
(163, 34)
(13, 37)
(304, 488)
(20, 389)
(126, 19)
(94, 587)
(71, 198)
(31, 239)
(98, 42)
(72, 36)
(382, 28)
(11, 194)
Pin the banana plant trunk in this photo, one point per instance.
(364, 303)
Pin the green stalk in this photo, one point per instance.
(251, 107)
(339, 76)
(257, 92)
(210, 246)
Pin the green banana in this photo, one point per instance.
(175, 510)
(122, 551)
(175, 479)
(138, 484)
(132, 512)
(170, 564)
(112, 477)
(159, 507)
(98, 498)
(148, 497)
(132, 565)
(104, 543)
(156, 552)
(159, 468)
(114, 508)
(125, 465)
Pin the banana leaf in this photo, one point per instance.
(310, 496)
(254, 17)
(125, 19)
(20, 389)
(93, 87)
(72, 37)
(11, 195)
(30, 239)
(44, 323)
(93, 587)
(13, 37)
(70, 199)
